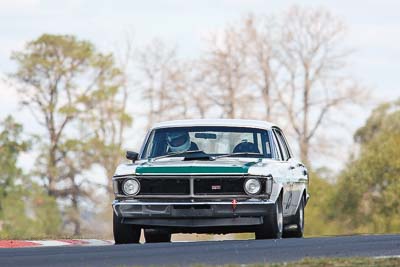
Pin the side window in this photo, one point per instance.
(286, 144)
(278, 150)
(283, 144)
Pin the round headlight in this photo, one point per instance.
(131, 187)
(252, 186)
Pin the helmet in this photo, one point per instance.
(178, 141)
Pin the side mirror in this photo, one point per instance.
(132, 155)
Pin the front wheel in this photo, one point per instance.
(156, 236)
(299, 222)
(272, 226)
(125, 233)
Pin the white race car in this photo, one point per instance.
(210, 176)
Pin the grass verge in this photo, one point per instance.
(324, 262)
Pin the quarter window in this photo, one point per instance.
(286, 144)
(277, 146)
(282, 144)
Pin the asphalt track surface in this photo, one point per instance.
(211, 252)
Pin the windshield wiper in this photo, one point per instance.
(175, 154)
(239, 154)
(203, 156)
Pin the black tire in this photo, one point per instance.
(272, 226)
(156, 236)
(298, 221)
(125, 233)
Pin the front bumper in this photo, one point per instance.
(189, 214)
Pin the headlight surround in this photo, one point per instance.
(131, 187)
(252, 186)
(115, 186)
(268, 185)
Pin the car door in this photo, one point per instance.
(297, 174)
(285, 172)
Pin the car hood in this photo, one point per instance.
(171, 166)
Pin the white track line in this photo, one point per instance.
(387, 257)
(51, 243)
(97, 242)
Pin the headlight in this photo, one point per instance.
(131, 187)
(252, 186)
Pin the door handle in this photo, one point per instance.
(291, 167)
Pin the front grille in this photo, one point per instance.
(168, 186)
(203, 186)
(219, 186)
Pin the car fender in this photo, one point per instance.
(307, 196)
(125, 169)
(277, 188)
(272, 169)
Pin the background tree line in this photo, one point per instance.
(290, 68)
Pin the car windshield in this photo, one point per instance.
(210, 140)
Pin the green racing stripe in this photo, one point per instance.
(193, 169)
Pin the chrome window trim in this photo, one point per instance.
(287, 144)
(144, 144)
(279, 135)
(277, 146)
(152, 131)
(273, 145)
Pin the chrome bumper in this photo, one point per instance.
(193, 214)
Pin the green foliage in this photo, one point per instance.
(28, 213)
(385, 117)
(78, 95)
(11, 146)
(323, 262)
(318, 220)
(57, 55)
(25, 208)
(367, 197)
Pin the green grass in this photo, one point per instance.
(323, 262)
(343, 262)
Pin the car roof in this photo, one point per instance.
(216, 122)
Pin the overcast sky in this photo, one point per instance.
(374, 31)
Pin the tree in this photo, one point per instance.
(108, 120)
(225, 73)
(164, 83)
(25, 209)
(293, 67)
(263, 50)
(318, 217)
(61, 74)
(51, 68)
(11, 146)
(367, 194)
(386, 117)
(315, 81)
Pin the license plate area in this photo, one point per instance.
(192, 210)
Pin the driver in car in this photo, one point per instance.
(180, 142)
